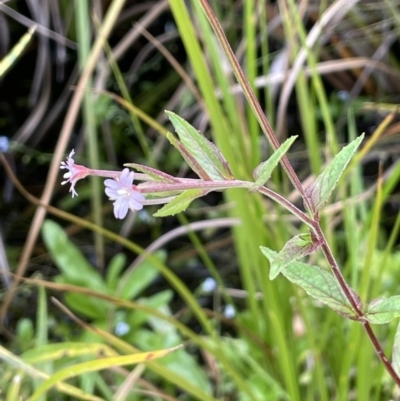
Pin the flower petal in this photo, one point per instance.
(134, 204)
(120, 208)
(112, 184)
(126, 177)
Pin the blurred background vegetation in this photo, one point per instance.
(96, 76)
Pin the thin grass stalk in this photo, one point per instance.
(265, 60)
(212, 346)
(206, 260)
(251, 98)
(252, 265)
(316, 226)
(365, 366)
(217, 118)
(350, 212)
(305, 101)
(315, 78)
(26, 369)
(307, 106)
(315, 337)
(250, 38)
(221, 131)
(125, 348)
(236, 120)
(83, 29)
(353, 340)
(248, 252)
(65, 133)
(125, 94)
(41, 332)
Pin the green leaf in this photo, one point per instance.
(320, 284)
(190, 160)
(90, 307)
(296, 248)
(25, 333)
(69, 260)
(157, 175)
(114, 270)
(96, 365)
(54, 352)
(317, 282)
(75, 270)
(140, 277)
(383, 310)
(180, 203)
(204, 151)
(136, 318)
(263, 172)
(396, 351)
(319, 192)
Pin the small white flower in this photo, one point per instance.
(75, 173)
(121, 190)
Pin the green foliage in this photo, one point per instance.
(16, 51)
(263, 172)
(75, 270)
(201, 151)
(297, 247)
(281, 344)
(180, 203)
(317, 282)
(320, 191)
(383, 310)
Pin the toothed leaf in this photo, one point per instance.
(319, 192)
(383, 310)
(203, 151)
(317, 282)
(296, 248)
(190, 160)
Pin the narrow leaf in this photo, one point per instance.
(204, 151)
(383, 310)
(263, 172)
(396, 351)
(317, 282)
(296, 248)
(180, 203)
(190, 160)
(56, 351)
(96, 365)
(157, 175)
(33, 373)
(135, 281)
(319, 192)
(16, 51)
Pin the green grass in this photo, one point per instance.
(281, 344)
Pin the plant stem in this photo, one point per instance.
(252, 99)
(314, 223)
(355, 303)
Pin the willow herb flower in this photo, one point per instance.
(75, 172)
(122, 191)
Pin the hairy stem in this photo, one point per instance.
(252, 99)
(314, 223)
(353, 299)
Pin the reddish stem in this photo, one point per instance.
(263, 121)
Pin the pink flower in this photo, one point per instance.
(75, 173)
(123, 193)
